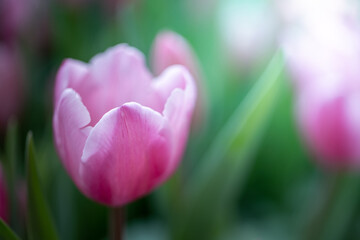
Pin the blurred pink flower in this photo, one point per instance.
(323, 60)
(14, 15)
(3, 197)
(169, 48)
(11, 84)
(119, 132)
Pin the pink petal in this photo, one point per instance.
(111, 79)
(70, 132)
(324, 124)
(117, 73)
(179, 107)
(126, 154)
(70, 75)
(170, 49)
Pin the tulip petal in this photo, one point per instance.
(118, 72)
(177, 86)
(321, 119)
(70, 132)
(126, 154)
(70, 75)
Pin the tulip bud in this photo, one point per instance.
(120, 132)
(170, 49)
(11, 84)
(14, 15)
(323, 61)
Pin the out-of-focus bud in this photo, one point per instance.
(248, 31)
(170, 49)
(11, 84)
(3, 197)
(14, 15)
(323, 60)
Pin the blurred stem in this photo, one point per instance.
(317, 221)
(10, 165)
(331, 219)
(116, 222)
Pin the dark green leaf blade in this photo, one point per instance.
(10, 169)
(39, 222)
(6, 233)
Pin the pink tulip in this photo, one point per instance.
(3, 198)
(11, 84)
(323, 59)
(169, 48)
(331, 125)
(119, 132)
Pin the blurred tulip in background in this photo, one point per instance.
(324, 65)
(14, 17)
(169, 48)
(11, 84)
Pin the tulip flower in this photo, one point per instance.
(3, 197)
(119, 131)
(169, 48)
(323, 61)
(11, 84)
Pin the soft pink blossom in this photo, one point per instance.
(169, 48)
(119, 131)
(3, 197)
(323, 61)
(11, 84)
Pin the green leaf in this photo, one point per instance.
(224, 167)
(39, 222)
(6, 233)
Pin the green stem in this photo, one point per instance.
(117, 221)
(317, 223)
(331, 219)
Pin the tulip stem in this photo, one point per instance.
(116, 222)
(333, 215)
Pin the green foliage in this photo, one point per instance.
(227, 162)
(39, 222)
